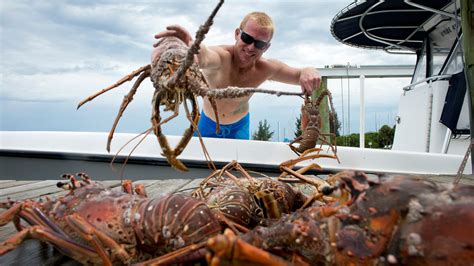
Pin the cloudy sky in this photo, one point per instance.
(56, 53)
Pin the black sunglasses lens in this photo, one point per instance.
(249, 40)
(260, 44)
(246, 38)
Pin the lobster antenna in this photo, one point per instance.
(128, 77)
(194, 49)
(125, 145)
(210, 163)
(145, 134)
(127, 99)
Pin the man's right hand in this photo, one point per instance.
(176, 31)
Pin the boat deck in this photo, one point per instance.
(32, 252)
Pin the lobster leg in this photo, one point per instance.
(188, 133)
(97, 239)
(194, 119)
(303, 156)
(230, 249)
(234, 165)
(177, 256)
(314, 182)
(126, 100)
(24, 211)
(67, 246)
(118, 83)
(216, 115)
(302, 170)
(169, 153)
(165, 147)
(8, 215)
(332, 146)
(86, 179)
(292, 147)
(29, 213)
(73, 182)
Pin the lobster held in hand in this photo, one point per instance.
(176, 77)
(311, 124)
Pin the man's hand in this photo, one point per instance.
(176, 31)
(310, 80)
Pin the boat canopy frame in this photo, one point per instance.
(396, 26)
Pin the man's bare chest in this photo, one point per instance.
(247, 79)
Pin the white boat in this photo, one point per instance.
(431, 137)
(434, 112)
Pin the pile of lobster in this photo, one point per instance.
(234, 218)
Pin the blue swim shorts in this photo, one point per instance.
(237, 130)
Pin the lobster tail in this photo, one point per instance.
(172, 222)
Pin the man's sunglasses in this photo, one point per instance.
(249, 40)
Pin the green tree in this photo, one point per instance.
(372, 140)
(298, 130)
(377, 140)
(263, 132)
(386, 134)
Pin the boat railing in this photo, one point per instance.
(428, 80)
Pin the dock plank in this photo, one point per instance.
(13, 183)
(166, 186)
(49, 190)
(27, 187)
(191, 186)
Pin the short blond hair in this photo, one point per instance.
(262, 19)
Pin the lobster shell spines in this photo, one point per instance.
(275, 198)
(234, 203)
(172, 222)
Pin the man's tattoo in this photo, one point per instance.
(242, 108)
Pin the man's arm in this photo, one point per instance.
(208, 57)
(308, 78)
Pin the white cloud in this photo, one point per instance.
(64, 51)
(321, 54)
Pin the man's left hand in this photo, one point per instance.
(310, 80)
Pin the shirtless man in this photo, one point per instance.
(241, 65)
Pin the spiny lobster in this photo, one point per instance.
(176, 78)
(397, 220)
(246, 200)
(96, 225)
(305, 146)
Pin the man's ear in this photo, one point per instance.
(237, 33)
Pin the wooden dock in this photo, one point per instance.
(33, 252)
